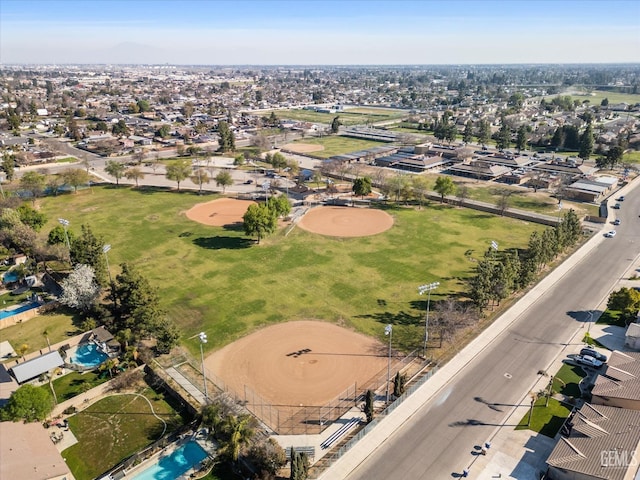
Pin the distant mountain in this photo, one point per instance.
(131, 52)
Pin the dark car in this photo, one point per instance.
(248, 182)
(593, 353)
(620, 198)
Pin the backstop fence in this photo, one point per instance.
(299, 419)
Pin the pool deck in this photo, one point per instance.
(207, 446)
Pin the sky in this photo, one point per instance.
(319, 32)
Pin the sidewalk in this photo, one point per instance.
(522, 453)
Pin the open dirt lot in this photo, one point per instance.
(346, 221)
(298, 363)
(220, 212)
(303, 147)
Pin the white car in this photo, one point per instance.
(610, 234)
(617, 221)
(588, 360)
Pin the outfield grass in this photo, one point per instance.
(215, 280)
(545, 420)
(114, 428)
(633, 157)
(339, 145)
(567, 380)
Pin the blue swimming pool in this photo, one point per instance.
(20, 309)
(172, 466)
(9, 277)
(88, 356)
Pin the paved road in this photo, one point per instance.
(437, 442)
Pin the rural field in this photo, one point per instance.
(339, 145)
(214, 279)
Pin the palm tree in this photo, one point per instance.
(57, 371)
(22, 350)
(238, 433)
(45, 334)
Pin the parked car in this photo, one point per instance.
(617, 221)
(620, 198)
(592, 352)
(588, 361)
(248, 182)
(610, 234)
(617, 206)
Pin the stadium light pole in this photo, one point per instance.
(388, 330)
(65, 224)
(203, 339)
(421, 290)
(105, 249)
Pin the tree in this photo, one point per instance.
(299, 465)
(135, 174)
(80, 289)
(115, 169)
(278, 160)
(167, 335)
(362, 186)
(223, 179)
(164, 131)
(75, 177)
(626, 300)
(87, 250)
(484, 132)
(227, 139)
(120, 129)
(444, 186)
(178, 170)
(237, 432)
(586, 143)
(267, 456)
(259, 220)
(467, 135)
(31, 217)
(143, 106)
(58, 236)
(335, 124)
(280, 205)
(28, 403)
(200, 177)
(188, 109)
(521, 138)
(503, 200)
(33, 182)
(503, 138)
(419, 188)
(137, 305)
(8, 166)
(368, 405)
(399, 384)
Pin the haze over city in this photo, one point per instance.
(319, 32)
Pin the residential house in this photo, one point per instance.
(600, 443)
(27, 451)
(618, 385)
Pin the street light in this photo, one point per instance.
(203, 340)
(65, 224)
(266, 185)
(421, 290)
(494, 245)
(388, 330)
(105, 249)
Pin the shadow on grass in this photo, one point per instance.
(223, 243)
(399, 318)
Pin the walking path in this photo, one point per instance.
(522, 454)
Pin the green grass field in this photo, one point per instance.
(59, 325)
(599, 95)
(339, 145)
(348, 117)
(113, 429)
(546, 420)
(567, 380)
(215, 279)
